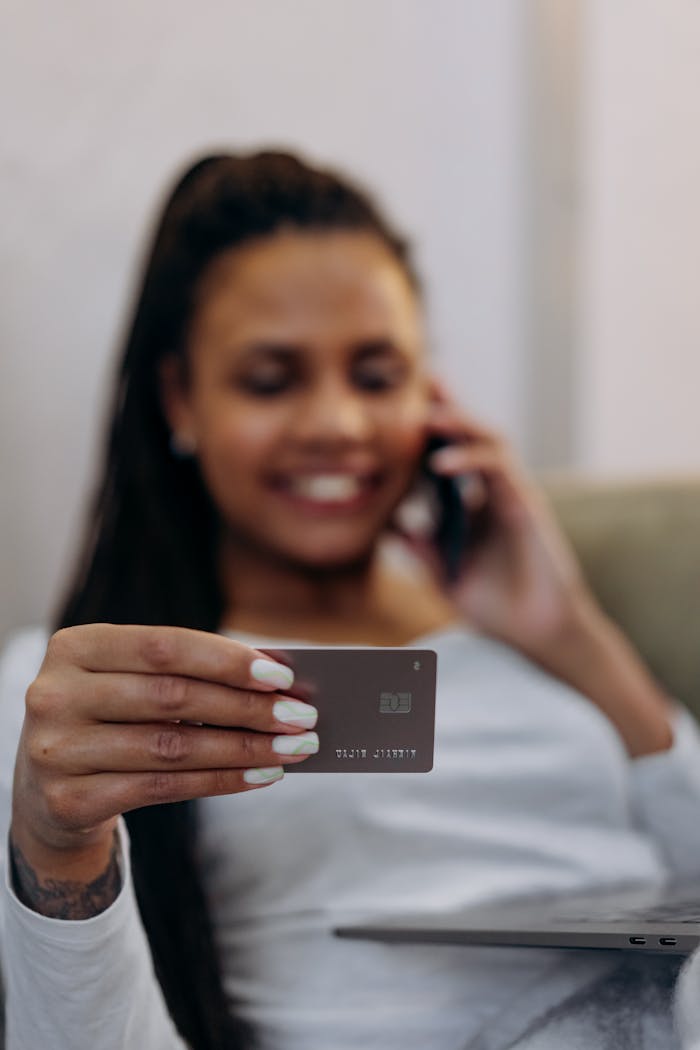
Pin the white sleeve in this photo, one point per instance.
(21, 659)
(687, 1015)
(666, 797)
(84, 984)
(667, 801)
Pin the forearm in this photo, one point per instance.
(64, 884)
(591, 654)
(89, 983)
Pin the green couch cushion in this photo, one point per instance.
(639, 544)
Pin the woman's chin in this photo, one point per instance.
(336, 562)
(329, 557)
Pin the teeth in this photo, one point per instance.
(327, 488)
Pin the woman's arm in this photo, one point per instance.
(522, 584)
(75, 886)
(590, 653)
(54, 972)
(117, 717)
(87, 984)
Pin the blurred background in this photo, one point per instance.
(544, 156)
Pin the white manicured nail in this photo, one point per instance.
(272, 673)
(447, 457)
(295, 713)
(301, 744)
(263, 776)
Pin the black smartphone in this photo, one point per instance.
(436, 508)
(451, 529)
(457, 528)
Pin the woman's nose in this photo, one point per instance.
(334, 414)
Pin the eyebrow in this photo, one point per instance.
(250, 351)
(363, 347)
(368, 347)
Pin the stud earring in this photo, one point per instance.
(182, 445)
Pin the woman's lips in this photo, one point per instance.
(328, 490)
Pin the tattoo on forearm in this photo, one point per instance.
(65, 899)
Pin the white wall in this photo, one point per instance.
(562, 261)
(639, 306)
(98, 106)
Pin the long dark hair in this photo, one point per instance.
(148, 555)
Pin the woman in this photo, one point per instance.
(271, 414)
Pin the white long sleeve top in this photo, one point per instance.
(532, 791)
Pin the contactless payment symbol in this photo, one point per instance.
(394, 703)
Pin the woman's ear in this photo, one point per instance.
(175, 398)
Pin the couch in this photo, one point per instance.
(639, 543)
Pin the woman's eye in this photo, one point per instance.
(379, 379)
(265, 384)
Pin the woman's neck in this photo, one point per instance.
(367, 602)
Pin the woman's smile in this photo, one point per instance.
(327, 491)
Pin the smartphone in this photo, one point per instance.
(376, 707)
(452, 532)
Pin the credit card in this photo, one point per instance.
(376, 708)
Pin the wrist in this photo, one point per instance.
(70, 856)
(579, 624)
(65, 884)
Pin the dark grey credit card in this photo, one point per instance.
(376, 708)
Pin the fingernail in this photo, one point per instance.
(267, 775)
(447, 457)
(295, 713)
(301, 744)
(272, 673)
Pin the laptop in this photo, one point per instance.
(633, 918)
